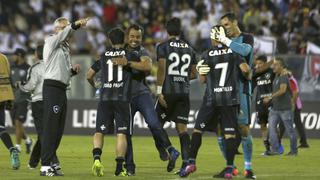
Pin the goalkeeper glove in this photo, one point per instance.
(218, 34)
(203, 69)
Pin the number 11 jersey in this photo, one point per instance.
(224, 76)
(179, 57)
(115, 79)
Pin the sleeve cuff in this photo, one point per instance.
(74, 26)
(227, 41)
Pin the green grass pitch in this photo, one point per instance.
(76, 161)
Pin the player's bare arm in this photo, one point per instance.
(245, 69)
(280, 92)
(90, 75)
(122, 61)
(160, 79)
(193, 74)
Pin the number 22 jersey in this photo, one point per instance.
(179, 57)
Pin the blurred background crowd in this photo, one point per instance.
(25, 23)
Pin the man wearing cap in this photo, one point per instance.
(19, 71)
(57, 75)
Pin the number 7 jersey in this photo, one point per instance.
(115, 79)
(224, 76)
(179, 57)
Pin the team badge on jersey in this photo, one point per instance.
(56, 109)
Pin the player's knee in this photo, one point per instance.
(181, 128)
(98, 134)
(197, 130)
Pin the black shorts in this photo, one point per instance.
(19, 111)
(177, 110)
(210, 116)
(114, 111)
(262, 114)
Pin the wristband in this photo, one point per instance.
(159, 90)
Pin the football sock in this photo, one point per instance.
(119, 166)
(170, 149)
(222, 146)
(247, 151)
(24, 136)
(185, 145)
(195, 145)
(18, 146)
(28, 140)
(231, 148)
(96, 153)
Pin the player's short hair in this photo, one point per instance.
(58, 20)
(230, 15)
(262, 58)
(20, 52)
(39, 51)
(135, 27)
(281, 61)
(116, 36)
(173, 27)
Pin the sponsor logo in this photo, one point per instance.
(115, 53)
(219, 52)
(264, 82)
(178, 45)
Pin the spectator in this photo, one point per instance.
(281, 110)
(204, 28)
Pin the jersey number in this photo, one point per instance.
(224, 68)
(186, 58)
(110, 71)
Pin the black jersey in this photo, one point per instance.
(263, 83)
(179, 57)
(19, 73)
(223, 80)
(115, 79)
